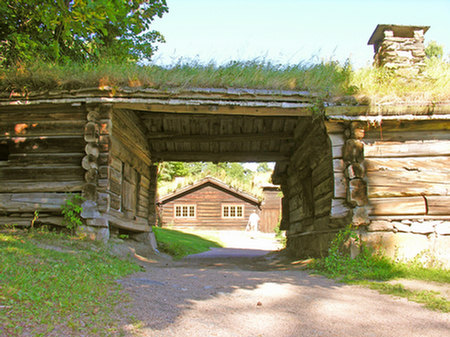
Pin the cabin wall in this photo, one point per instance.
(208, 201)
(308, 192)
(125, 176)
(40, 163)
(407, 168)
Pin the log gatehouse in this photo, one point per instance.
(384, 168)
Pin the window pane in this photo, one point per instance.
(232, 211)
(225, 211)
(191, 211)
(239, 211)
(185, 211)
(177, 211)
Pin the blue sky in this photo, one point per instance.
(289, 31)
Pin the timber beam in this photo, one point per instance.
(220, 157)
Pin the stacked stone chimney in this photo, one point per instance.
(400, 48)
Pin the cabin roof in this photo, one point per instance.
(207, 181)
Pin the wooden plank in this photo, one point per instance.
(118, 220)
(66, 144)
(220, 157)
(438, 205)
(397, 206)
(386, 136)
(399, 126)
(418, 164)
(394, 183)
(42, 128)
(48, 186)
(52, 159)
(29, 202)
(281, 109)
(162, 137)
(49, 173)
(408, 149)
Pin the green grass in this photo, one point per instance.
(54, 282)
(368, 267)
(328, 79)
(180, 244)
(324, 78)
(431, 299)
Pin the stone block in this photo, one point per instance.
(90, 210)
(360, 216)
(97, 222)
(422, 228)
(94, 233)
(443, 228)
(402, 227)
(380, 226)
(442, 251)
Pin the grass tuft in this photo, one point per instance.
(52, 283)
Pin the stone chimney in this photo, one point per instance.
(399, 48)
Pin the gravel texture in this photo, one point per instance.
(248, 295)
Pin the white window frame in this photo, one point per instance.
(188, 208)
(230, 208)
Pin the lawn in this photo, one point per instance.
(53, 284)
(180, 244)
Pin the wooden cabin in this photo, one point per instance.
(207, 204)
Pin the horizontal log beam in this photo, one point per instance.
(214, 108)
(220, 156)
(164, 136)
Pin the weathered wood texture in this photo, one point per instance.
(309, 186)
(208, 200)
(408, 168)
(194, 137)
(126, 171)
(45, 147)
(270, 209)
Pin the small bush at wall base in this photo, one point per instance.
(71, 211)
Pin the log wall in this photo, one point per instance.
(42, 150)
(407, 168)
(308, 191)
(125, 175)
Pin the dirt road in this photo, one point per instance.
(244, 296)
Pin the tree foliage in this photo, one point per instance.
(169, 170)
(433, 49)
(77, 30)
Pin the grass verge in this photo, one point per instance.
(53, 284)
(180, 244)
(374, 270)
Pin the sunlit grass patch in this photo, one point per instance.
(180, 244)
(57, 288)
(431, 299)
(368, 267)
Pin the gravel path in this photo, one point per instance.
(244, 296)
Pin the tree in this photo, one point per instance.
(77, 30)
(263, 167)
(433, 49)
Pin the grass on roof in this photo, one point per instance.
(328, 79)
